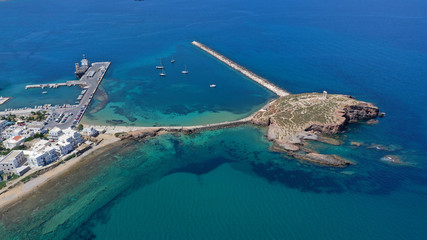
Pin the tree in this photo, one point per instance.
(80, 127)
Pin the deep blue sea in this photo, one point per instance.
(225, 184)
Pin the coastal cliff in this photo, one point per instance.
(295, 118)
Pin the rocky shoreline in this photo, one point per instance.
(291, 120)
(308, 117)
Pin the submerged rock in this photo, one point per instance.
(331, 141)
(323, 159)
(372, 121)
(389, 148)
(394, 159)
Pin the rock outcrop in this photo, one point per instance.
(323, 159)
(294, 119)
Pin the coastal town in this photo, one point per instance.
(36, 140)
(31, 139)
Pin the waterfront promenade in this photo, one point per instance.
(204, 127)
(260, 80)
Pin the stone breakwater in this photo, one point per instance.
(260, 80)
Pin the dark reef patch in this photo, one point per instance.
(125, 113)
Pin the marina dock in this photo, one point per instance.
(55, 85)
(89, 81)
(260, 80)
(3, 100)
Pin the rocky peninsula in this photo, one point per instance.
(295, 118)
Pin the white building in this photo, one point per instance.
(44, 152)
(54, 133)
(13, 142)
(3, 124)
(89, 131)
(36, 127)
(41, 154)
(64, 147)
(12, 131)
(72, 136)
(13, 162)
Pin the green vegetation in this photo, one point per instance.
(37, 116)
(2, 184)
(118, 134)
(80, 127)
(70, 157)
(37, 135)
(10, 118)
(6, 177)
(28, 178)
(4, 151)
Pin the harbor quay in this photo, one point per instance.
(66, 116)
(55, 85)
(3, 100)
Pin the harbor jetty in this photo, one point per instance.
(260, 80)
(3, 100)
(71, 114)
(55, 85)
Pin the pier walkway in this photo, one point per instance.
(56, 85)
(3, 100)
(204, 127)
(260, 80)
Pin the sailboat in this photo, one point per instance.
(162, 74)
(173, 60)
(185, 70)
(161, 65)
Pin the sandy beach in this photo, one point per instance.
(23, 189)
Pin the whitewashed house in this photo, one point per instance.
(12, 163)
(42, 154)
(89, 131)
(64, 147)
(13, 142)
(42, 157)
(12, 131)
(3, 125)
(54, 133)
(72, 136)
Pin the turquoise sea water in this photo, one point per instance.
(226, 184)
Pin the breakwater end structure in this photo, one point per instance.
(260, 80)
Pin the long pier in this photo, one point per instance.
(55, 85)
(3, 100)
(260, 80)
